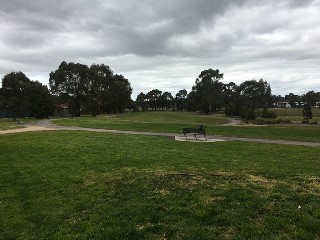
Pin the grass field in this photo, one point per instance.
(173, 122)
(295, 114)
(6, 123)
(81, 185)
(146, 121)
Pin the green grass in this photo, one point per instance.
(6, 124)
(174, 122)
(292, 133)
(81, 185)
(146, 121)
(295, 114)
(299, 119)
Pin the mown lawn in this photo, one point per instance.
(294, 111)
(161, 121)
(173, 122)
(293, 133)
(84, 185)
(295, 114)
(6, 123)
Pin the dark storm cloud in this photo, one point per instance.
(151, 40)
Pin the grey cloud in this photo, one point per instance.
(122, 28)
(152, 40)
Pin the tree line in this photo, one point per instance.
(95, 89)
(156, 99)
(209, 95)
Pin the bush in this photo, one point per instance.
(280, 120)
(272, 114)
(247, 113)
(243, 113)
(251, 115)
(229, 110)
(262, 121)
(259, 121)
(268, 113)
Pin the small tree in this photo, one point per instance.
(243, 113)
(266, 113)
(247, 113)
(307, 111)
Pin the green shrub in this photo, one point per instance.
(269, 121)
(229, 110)
(268, 113)
(243, 113)
(251, 115)
(259, 121)
(272, 114)
(247, 113)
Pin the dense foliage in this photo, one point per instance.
(24, 97)
(155, 99)
(93, 88)
(96, 89)
(209, 95)
(75, 86)
(249, 100)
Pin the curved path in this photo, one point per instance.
(47, 125)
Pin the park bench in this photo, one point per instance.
(201, 130)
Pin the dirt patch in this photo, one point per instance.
(26, 129)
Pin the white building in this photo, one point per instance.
(282, 105)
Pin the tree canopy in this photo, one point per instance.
(207, 91)
(181, 100)
(93, 89)
(96, 89)
(24, 97)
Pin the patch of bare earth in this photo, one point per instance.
(26, 129)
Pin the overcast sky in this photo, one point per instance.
(165, 44)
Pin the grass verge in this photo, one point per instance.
(81, 185)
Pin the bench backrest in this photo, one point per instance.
(200, 130)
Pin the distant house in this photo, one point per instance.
(282, 105)
(288, 105)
